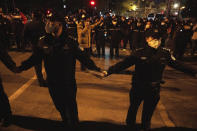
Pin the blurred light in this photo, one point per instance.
(134, 7)
(64, 6)
(176, 5)
(183, 7)
(176, 13)
(48, 11)
(92, 3)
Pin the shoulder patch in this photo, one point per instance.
(42, 37)
(166, 49)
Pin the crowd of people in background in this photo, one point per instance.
(116, 32)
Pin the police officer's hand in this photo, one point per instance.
(100, 74)
(104, 74)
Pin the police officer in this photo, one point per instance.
(5, 110)
(182, 38)
(100, 39)
(59, 52)
(115, 39)
(32, 32)
(149, 62)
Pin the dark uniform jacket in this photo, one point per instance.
(59, 55)
(33, 31)
(4, 39)
(5, 29)
(149, 65)
(6, 59)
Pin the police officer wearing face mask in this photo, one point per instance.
(59, 52)
(115, 38)
(149, 62)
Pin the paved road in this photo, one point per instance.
(102, 104)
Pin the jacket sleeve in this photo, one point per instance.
(172, 62)
(34, 59)
(81, 30)
(81, 56)
(7, 60)
(95, 24)
(126, 63)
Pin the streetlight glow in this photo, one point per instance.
(134, 7)
(176, 5)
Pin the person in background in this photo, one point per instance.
(84, 35)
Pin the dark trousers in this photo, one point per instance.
(64, 99)
(125, 41)
(150, 98)
(180, 47)
(112, 47)
(100, 47)
(38, 70)
(87, 52)
(194, 47)
(4, 102)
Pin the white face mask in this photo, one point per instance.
(114, 22)
(147, 26)
(154, 43)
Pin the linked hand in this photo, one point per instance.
(103, 74)
(99, 75)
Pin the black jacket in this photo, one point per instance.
(33, 31)
(6, 59)
(59, 55)
(149, 64)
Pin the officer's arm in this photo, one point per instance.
(34, 59)
(81, 30)
(7, 60)
(126, 63)
(81, 56)
(172, 62)
(95, 24)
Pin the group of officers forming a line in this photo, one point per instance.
(52, 44)
(117, 32)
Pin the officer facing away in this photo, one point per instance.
(59, 52)
(149, 62)
(5, 110)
